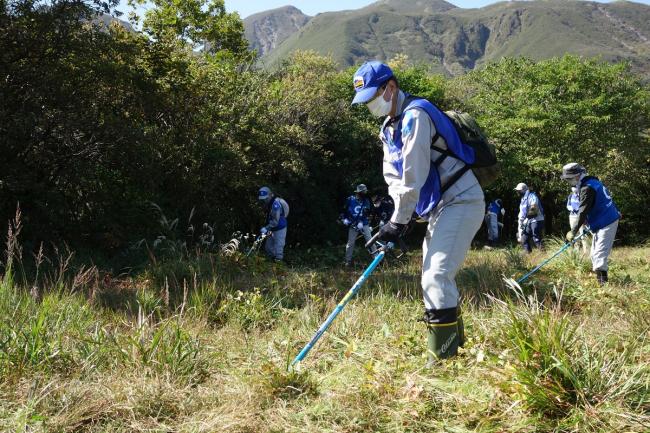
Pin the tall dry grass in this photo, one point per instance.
(184, 347)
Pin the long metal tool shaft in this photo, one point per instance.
(351, 293)
(256, 243)
(560, 251)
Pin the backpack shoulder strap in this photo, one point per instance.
(284, 206)
(454, 179)
(425, 105)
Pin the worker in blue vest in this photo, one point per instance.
(355, 218)
(573, 205)
(427, 169)
(277, 211)
(598, 212)
(383, 209)
(494, 211)
(531, 218)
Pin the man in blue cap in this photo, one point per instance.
(277, 211)
(383, 208)
(355, 218)
(426, 167)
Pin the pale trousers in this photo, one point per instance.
(452, 226)
(352, 240)
(492, 224)
(601, 246)
(582, 243)
(275, 244)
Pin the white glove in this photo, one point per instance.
(264, 230)
(360, 226)
(346, 222)
(503, 212)
(500, 225)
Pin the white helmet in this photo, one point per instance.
(521, 187)
(361, 188)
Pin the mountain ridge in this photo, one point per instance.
(455, 40)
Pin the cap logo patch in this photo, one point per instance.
(358, 82)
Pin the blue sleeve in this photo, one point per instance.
(346, 210)
(275, 214)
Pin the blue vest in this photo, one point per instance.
(604, 211)
(494, 208)
(430, 193)
(357, 210)
(282, 223)
(386, 209)
(524, 205)
(573, 203)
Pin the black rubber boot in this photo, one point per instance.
(601, 276)
(461, 328)
(442, 326)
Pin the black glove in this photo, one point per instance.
(391, 232)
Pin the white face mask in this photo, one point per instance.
(379, 107)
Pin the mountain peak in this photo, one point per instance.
(419, 7)
(266, 30)
(289, 9)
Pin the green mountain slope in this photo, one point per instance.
(416, 7)
(455, 40)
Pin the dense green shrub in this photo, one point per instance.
(97, 122)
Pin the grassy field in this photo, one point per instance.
(202, 344)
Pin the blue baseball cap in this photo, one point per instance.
(368, 78)
(264, 193)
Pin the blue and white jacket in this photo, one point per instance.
(494, 208)
(276, 218)
(357, 210)
(529, 199)
(413, 170)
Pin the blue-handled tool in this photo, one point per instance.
(258, 241)
(560, 251)
(341, 305)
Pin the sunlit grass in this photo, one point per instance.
(211, 352)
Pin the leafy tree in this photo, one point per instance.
(543, 115)
(98, 121)
(198, 23)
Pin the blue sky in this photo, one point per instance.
(312, 7)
